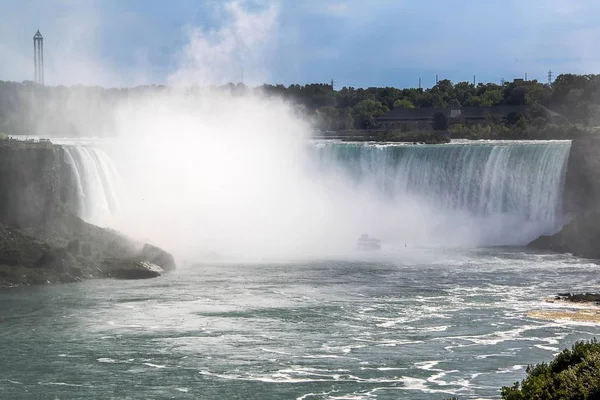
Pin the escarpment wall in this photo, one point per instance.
(35, 183)
(581, 235)
(582, 185)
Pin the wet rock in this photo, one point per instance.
(580, 237)
(579, 297)
(73, 247)
(131, 269)
(86, 250)
(158, 256)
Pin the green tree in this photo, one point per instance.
(573, 374)
(403, 103)
(366, 111)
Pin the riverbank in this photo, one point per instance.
(67, 249)
(471, 132)
(373, 135)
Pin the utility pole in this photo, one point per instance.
(437, 79)
(525, 76)
(419, 82)
(550, 78)
(474, 81)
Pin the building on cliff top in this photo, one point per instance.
(422, 118)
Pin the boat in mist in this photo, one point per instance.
(365, 242)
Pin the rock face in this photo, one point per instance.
(34, 184)
(158, 256)
(582, 185)
(41, 238)
(581, 236)
(131, 269)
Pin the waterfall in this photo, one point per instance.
(97, 182)
(475, 193)
(523, 181)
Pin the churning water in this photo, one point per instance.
(417, 324)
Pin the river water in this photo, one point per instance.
(410, 323)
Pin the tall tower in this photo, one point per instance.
(38, 57)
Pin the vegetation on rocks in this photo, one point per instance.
(573, 374)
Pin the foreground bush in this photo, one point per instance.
(573, 374)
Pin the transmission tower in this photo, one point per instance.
(38, 58)
(550, 78)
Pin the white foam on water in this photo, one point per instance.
(63, 384)
(485, 356)
(275, 351)
(427, 365)
(549, 348)
(514, 368)
(154, 365)
(317, 395)
(106, 360)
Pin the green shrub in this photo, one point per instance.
(573, 374)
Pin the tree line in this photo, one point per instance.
(28, 108)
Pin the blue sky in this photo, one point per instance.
(355, 42)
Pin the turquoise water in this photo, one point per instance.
(413, 323)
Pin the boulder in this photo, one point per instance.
(131, 269)
(158, 256)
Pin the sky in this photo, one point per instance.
(358, 43)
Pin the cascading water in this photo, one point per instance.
(484, 193)
(97, 182)
(518, 181)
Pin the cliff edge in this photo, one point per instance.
(581, 236)
(42, 240)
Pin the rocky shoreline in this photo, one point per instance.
(69, 250)
(585, 307)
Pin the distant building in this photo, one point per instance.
(422, 118)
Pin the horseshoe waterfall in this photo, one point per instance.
(507, 192)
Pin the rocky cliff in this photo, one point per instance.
(42, 240)
(34, 183)
(580, 236)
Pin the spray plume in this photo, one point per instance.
(232, 172)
